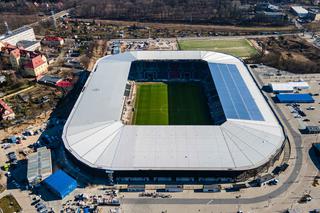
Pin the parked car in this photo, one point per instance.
(6, 145)
(12, 157)
(306, 198)
(35, 202)
(38, 205)
(274, 182)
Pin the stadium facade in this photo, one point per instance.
(245, 136)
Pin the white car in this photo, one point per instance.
(6, 145)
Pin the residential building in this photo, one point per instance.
(6, 113)
(36, 66)
(55, 81)
(29, 62)
(52, 41)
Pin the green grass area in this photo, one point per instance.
(171, 104)
(8, 204)
(240, 47)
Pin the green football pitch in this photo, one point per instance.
(171, 104)
(236, 47)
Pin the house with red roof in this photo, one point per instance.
(6, 113)
(36, 66)
(31, 63)
(52, 41)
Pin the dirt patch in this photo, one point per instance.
(15, 20)
(98, 50)
(290, 53)
(9, 204)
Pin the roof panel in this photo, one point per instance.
(234, 95)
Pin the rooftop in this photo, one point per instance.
(35, 62)
(249, 137)
(295, 98)
(15, 53)
(39, 164)
(25, 44)
(61, 183)
(299, 9)
(52, 38)
(15, 32)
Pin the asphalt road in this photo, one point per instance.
(284, 187)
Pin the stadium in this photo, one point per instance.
(157, 116)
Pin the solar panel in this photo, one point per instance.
(236, 99)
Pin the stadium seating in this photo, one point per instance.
(181, 70)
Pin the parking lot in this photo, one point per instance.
(117, 46)
(305, 114)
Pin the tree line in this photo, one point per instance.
(190, 11)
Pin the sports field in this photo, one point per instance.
(170, 104)
(238, 47)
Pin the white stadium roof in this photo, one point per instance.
(95, 135)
